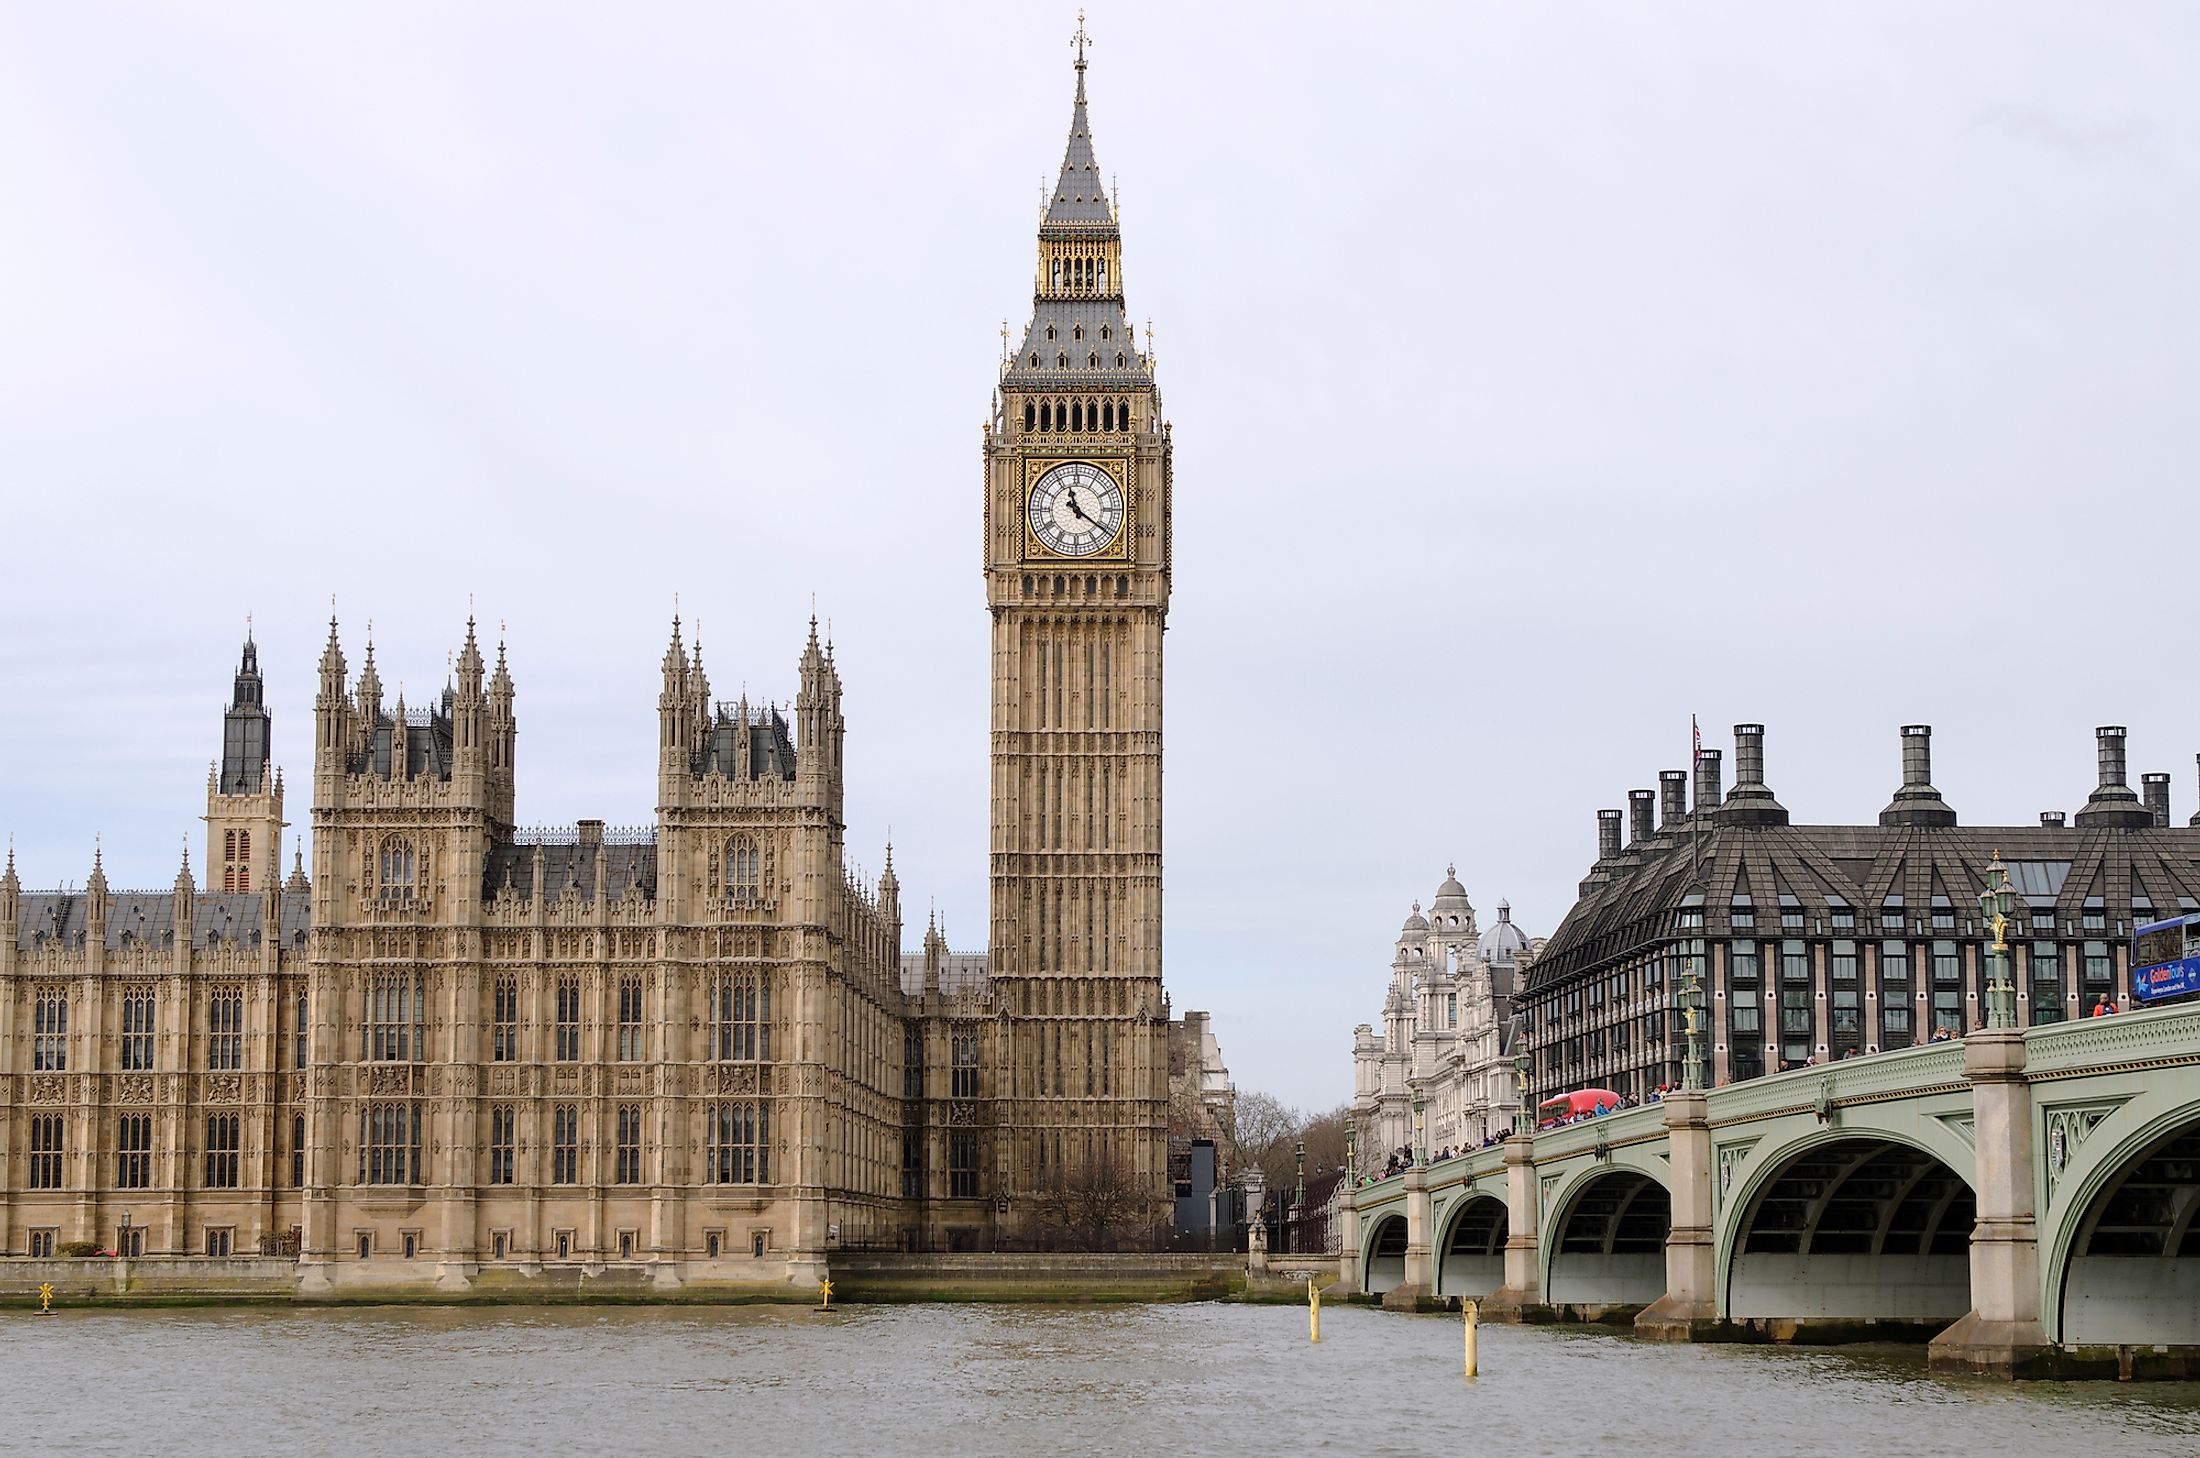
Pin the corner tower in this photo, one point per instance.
(244, 794)
(1077, 486)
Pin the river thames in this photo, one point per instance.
(996, 1380)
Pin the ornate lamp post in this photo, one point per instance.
(1420, 1125)
(1351, 1160)
(1997, 904)
(1523, 1111)
(1692, 1015)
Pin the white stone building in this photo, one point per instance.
(1445, 1036)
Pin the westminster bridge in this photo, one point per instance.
(2028, 1198)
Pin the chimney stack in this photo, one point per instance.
(2113, 803)
(2154, 794)
(1672, 799)
(1608, 833)
(1642, 815)
(1917, 802)
(1707, 781)
(1750, 802)
(2054, 818)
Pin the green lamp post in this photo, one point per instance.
(1692, 1019)
(1523, 1111)
(1997, 904)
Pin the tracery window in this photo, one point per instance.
(46, 1149)
(743, 882)
(630, 1019)
(501, 1121)
(137, 1029)
(739, 1144)
(504, 1021)
(133, 1151)
(396, 1011)
(394, 879)
(50, 1031)
(565, 1145)
(963, 1063)
(221, 1151)
(389, 1144)
(569, 1019)
(225, 1028)
(740, 1018)
(628, 1163)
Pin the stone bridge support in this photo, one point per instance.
(1690, 1304)
(1521, 1297)
(1420, 1282)
(1348, 1242)
(2001, 1334)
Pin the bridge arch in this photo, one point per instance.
(1386, 1254)
(1846, 1226)
(1604, 1246)
(2124, 1267)
(1470, 1250)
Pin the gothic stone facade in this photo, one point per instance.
(694, 1052)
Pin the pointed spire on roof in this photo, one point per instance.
(1078, 196)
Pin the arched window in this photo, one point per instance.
(1119, 359)
(1093, 359)
(1105, 333)
(395, 881)
(741, 869)
(229, 846)
(1103, 287)
(1076, 417)
(1030, 415)
(229, 878)
(1046, 414)
(1050, 334)
(244, 848)
(1077, 331)
(1056, 274)
(1107, 415)
(1061, 361)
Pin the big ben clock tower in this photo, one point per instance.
(1077, 580)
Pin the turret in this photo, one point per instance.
(244, 794)
(11, 897)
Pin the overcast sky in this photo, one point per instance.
(1540, 375)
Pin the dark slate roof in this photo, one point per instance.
(1080, 200)
(1629, 902)
(245, 729)
(626, 869)
(151, 916)
(1065, 316)
(425, 739)
(771, 746)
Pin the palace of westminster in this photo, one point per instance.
(442, 1047)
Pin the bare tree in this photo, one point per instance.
(1097, 1203)
(1264, 1131)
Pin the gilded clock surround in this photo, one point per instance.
(1118, 549)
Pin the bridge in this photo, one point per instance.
(2029, 1200)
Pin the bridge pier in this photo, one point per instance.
(1419, 1284)
(1521, 1297)
(1690, 1303)
(1348, 1243)
(2001, 1334)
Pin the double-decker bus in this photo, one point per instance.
(2165, 959)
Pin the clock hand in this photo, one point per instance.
(1077, 507)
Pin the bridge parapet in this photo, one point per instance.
(2088, 1046)
(1900, 1073)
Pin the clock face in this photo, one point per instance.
(1076, 509)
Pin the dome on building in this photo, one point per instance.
(1503, 942)
(1415, 922)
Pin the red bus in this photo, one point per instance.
(1581, 1103)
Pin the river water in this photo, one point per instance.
(446, 1382)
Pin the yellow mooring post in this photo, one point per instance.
(45, 1298)
(1313, 1310)
(1473, 1311)
(825, 1295)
